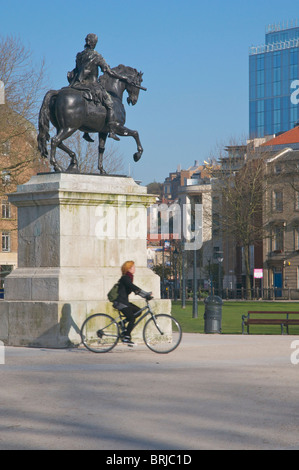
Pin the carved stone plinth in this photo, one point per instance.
(74, 233)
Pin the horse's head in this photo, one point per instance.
(132, 90)
(133, 76)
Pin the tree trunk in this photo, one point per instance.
(247, 272)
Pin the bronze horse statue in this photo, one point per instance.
(71, 109)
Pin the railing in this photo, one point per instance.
(278, 46)
(273, 293)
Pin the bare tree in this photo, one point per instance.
(241, 188)
(23, 88)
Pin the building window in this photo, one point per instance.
(293, 115)
(278, 238)
(6, 214)
(216, 251)
(260, 62)
(6, 241)
(277, 201)
(296, 238)
(276, 88)
(293, 72)
(276, 116)
(277, 59)
(215, 223)
(294, 56)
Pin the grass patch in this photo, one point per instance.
(232, 317)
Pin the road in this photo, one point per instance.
(213, 392)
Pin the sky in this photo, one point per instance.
(193, 53)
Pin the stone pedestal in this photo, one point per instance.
(74, 233)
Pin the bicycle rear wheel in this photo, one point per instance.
(162, 333)
(99, 333)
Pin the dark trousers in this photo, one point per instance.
(130, 314)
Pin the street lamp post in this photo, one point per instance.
(163, 269)
(210, 278)
(195, 303)
(175, 258)
(220, 260)
(183, 276)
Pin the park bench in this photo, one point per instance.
(284, 319)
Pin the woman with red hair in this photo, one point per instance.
(126, 287)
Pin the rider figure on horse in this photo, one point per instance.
(85, 77)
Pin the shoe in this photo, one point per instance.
(127, 340)
(113, 136)
(87, 137)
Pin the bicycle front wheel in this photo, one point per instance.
(99, 333)
(162, 333)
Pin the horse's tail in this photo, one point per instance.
(44, 124)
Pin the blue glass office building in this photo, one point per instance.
(274, 82)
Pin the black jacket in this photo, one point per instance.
(126, 286)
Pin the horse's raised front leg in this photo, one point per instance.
(125, 132)
(102, 142)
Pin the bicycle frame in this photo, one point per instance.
(148, 311)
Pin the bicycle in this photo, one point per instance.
(161, 333)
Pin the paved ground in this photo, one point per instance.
(213, 392)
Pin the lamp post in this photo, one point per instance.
(210, 278)
(183, 276)
(220, 260)
(163, 270)
(175, 258)
(195, 303)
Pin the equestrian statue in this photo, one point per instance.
(90, 104)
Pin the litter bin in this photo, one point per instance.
(213, 314)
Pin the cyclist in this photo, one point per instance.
(122, 303)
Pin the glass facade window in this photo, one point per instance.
(273, 72)
(294, 117)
